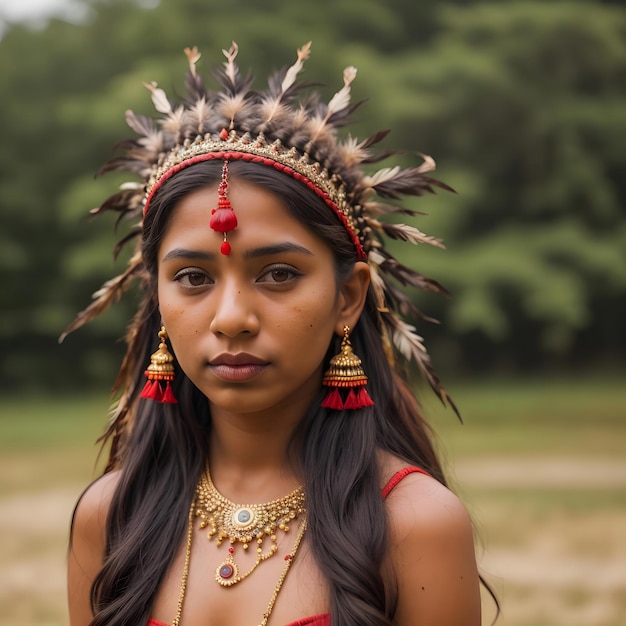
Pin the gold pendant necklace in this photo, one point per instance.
(244, 524)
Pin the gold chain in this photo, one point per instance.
(288, 561)
(185, 576)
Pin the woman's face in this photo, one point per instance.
(250, 329)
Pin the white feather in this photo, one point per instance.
(428, 165)
(352, 151)
(200, 112)
(381, 176)
(229, 65)
(193, 56)
(294, 70)
(229, 106)
(342, 98)
(408, 342)
(159, 99)
(375, 257)
(173, 122)
(270, 108)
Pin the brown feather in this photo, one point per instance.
(110, 292)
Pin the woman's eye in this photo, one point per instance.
(192, 278)
(278, 275)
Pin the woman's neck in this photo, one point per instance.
(248, 454)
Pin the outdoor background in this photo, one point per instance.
(522, 104)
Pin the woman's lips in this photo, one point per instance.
(237, 368)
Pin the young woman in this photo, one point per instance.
(270, 466)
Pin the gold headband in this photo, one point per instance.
(232, 147)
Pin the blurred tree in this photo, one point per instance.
(526, 103)
(523, 102)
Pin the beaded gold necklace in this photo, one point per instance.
(244, 524)
(213, 508)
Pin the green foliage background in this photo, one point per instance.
(522, 103)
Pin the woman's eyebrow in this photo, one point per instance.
(286, 246)
(202, 255)
(182, 253)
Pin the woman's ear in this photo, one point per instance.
(352, 295)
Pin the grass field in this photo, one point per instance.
(541, 466)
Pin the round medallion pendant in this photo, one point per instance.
(227, 574)
(244, 518)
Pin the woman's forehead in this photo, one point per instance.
(263, 221)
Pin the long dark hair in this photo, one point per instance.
(334, 452)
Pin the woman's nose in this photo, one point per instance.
(234, 310)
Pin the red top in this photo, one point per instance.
(324, 618)
(398, 476)
(314, 620)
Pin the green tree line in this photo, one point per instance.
(523, 105)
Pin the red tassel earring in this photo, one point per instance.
(223, 218)
(161, 369)
(346, 372)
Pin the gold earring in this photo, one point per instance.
(161, 369)
(346, 372)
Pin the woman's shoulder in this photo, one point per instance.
(431, 548)
(87, 544)
(92, 508)
(418, 503)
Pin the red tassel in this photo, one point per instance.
(333, 400)
(168, 395)
(158, 392)
(363, 398)
(223, 219)
(151, 390)
(351, 402)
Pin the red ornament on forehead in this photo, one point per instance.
(223, 218)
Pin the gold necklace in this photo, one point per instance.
(185, 576)
(244, 524)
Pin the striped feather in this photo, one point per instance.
(110, 292)
(413, 235)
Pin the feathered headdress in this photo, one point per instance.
(298, 137)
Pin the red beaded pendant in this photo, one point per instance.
(223, 218)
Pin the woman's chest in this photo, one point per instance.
(288, 585)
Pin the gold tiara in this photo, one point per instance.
(232, 146)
